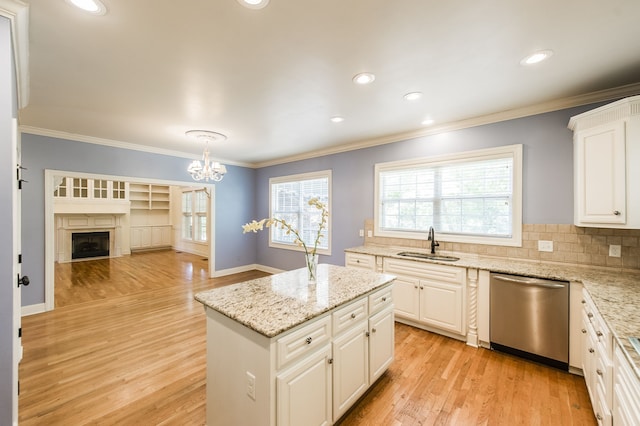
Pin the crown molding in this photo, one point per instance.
(119, 144)
(18, 13)
(541, 108)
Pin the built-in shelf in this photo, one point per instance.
(149, 197)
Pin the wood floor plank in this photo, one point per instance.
(126, 346)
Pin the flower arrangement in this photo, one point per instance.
(310, 254)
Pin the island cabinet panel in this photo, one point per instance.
(265, 369)
(303, 341)
(304, 391)
(381, 343)
(350, 368)
(358, 260)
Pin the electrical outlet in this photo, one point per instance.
(361, 233)
(251, 386)
(369, 233)
(615, 250)
(545, 245)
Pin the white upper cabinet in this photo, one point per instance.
(606, 146)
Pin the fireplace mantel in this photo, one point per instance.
(67, 224)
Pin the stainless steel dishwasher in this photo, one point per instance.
(530, 318)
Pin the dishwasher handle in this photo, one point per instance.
(536, 282)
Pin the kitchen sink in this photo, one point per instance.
(428, 256)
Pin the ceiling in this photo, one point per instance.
(149, 70)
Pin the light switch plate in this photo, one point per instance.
(545, 245)
(361, 233)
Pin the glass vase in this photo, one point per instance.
(312, 267)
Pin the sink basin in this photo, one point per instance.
(428, 256)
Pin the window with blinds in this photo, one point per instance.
(289, 201)
(469, 197)
(194, 215)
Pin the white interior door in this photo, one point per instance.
(17, 272)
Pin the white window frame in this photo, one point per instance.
(515, 151)
(324, 174)
(193, 215)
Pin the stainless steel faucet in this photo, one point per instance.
(432, 238)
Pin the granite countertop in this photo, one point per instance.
(277, 303)
(616, 293)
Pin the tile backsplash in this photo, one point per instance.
(571, 244)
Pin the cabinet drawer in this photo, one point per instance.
(349, 315)
(358, 260)
(411, 268)
(380, 299)
(303, 341)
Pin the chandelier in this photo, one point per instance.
(207, 169)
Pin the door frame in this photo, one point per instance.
(49, 221)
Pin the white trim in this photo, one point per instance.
(514, 150)
(38, 308)
(49, 174)
(321, 174)
(247, 268)
(120, 144)
(18, 13)
(541, 108)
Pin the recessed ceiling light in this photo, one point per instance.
(413, 96)
(254, 4)
(536, 57)
(428, 122)
(337, 119)
(92, 6)
(364, 78)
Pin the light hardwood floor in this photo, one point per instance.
(126, 346)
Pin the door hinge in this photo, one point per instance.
(19, 175)
(20, 332)
(20, 258)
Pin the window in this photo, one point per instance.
(119, 192)
(99, 188)
(472, 197)
(194, 215)
(289, 197)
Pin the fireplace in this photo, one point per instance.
(89, 244)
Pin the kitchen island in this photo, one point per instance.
(283, 351)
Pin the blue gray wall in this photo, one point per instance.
(547, 177)
(7, 181)
(234, 197)
(243, 194)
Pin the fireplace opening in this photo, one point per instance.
(89, 244)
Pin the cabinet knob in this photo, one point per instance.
(421, 288)
(599, 372)
(373, 330)
(330, 360)
(590, 315)
(384, 299)
(617, 213)
(599, 333)
(415, 286)
(598, 416)
(309, 339)
(591, 350)
(357, 260)
(353, 315)
(584, 331)
(583, 301)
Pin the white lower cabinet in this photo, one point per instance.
(429, 295)
(150, 237)
(350, 368)
(597, 366)
(304, 391)
(344, 362)
(359, 260)
(626, 391)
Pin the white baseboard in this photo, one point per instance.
(245, 268)
(38, 308)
